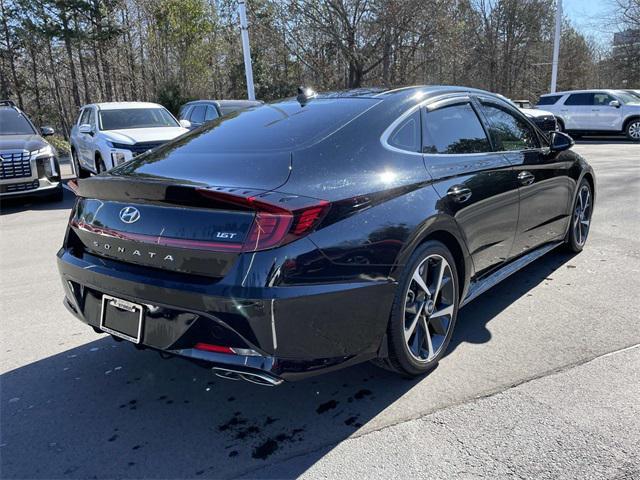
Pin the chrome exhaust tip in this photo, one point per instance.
(257, 378)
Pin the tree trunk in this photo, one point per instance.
(12, 64)
(66, 34)
(83, 69)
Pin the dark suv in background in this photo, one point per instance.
(28, 163)
(199, 112)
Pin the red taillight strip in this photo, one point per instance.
(207, 347)
(156, 240)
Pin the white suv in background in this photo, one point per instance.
(595, 111)
(108, 134)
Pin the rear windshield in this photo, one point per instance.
(136, 118)
(549, 99)
(13, 123)
(284, 125)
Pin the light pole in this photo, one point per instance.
(246, 49)
(556, 46)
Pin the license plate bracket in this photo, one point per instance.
(122, 318)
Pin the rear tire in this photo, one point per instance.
(632, 130)
(580, 218)
(424, 311)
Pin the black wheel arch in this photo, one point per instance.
(444, 229)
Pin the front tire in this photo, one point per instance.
(424, 310)
(80, 172)
(632, 131)
(580, 218)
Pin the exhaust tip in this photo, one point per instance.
(256, 378)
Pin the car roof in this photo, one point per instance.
(226, 103)
(591, 90)
(123, 105)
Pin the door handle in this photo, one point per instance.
(459, 193)
(526, 178)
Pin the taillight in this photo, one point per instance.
(279, 218)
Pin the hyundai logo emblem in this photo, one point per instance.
(129, 214)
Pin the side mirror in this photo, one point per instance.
(86, 128)
(614, 103)
(185, 123)
(47, 131)
(561, 141)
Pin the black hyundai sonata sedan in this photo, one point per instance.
(322, 231)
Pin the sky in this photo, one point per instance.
(590, 17)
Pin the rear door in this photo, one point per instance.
(543, 177)
(477, 186)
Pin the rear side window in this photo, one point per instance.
(508, 131)
(454, 129)
(579, 99)
(549, 99)
(406, 136)
(197, 115)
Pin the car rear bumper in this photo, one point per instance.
(293, 331)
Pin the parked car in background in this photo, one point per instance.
(322, 231)
(28, 163)
(522, 103)
(199, 112)
(583, 112)
(108, 134)
(635, 93)
(544, 120)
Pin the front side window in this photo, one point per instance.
(454, 129)
(197, 114)
(406, 136)
(602, 99)
(508, 131)
(84, 117)
(14, 123)
(211, 114)
(136, 118)
(579, 99)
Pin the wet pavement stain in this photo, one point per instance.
(325, 407)
(350, 420)
(269, 446)
(362, 393)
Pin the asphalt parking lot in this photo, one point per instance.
(542, 378)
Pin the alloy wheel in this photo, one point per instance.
(634, 130)
(429, 308)
(582, 215)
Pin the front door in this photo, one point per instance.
(543, 177)
(477, 186)
(608, 117)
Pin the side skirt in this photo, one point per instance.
(492, 280)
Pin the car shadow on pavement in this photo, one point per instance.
(471, 326)
(106, 410)
(10, 206)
